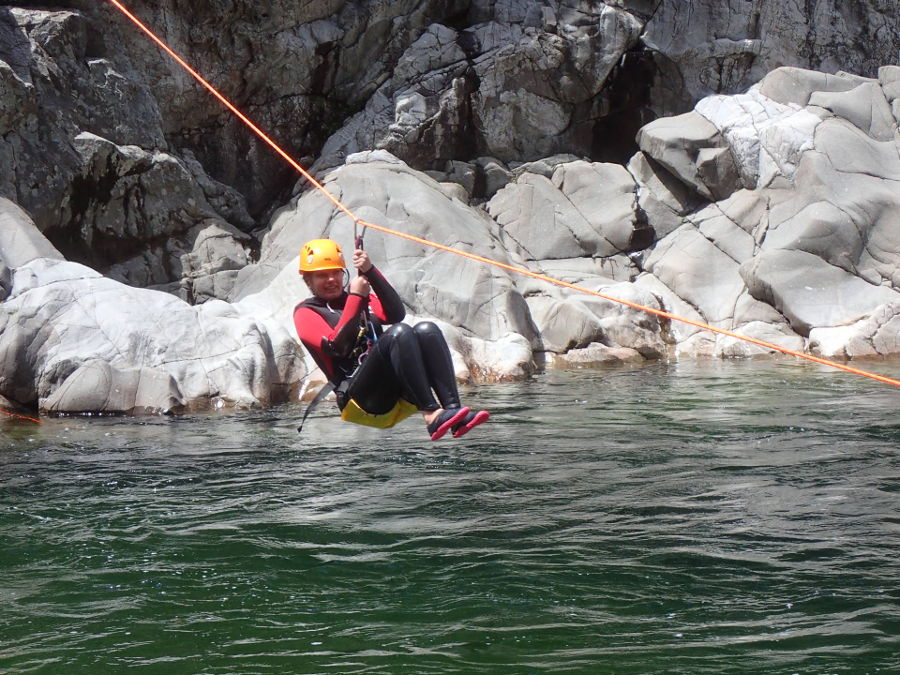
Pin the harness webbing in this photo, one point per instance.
(323, 392)
(425, 242)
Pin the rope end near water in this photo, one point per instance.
(21, 417)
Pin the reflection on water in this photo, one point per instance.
(701, 517)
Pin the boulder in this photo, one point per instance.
(20, 240)
(61, 317)
(865, 107)
(876, 335)
(692, 150)
(775, 333)
(698, 272)
(795, 86)
(766, 138)
(493, 174)
(811, 293)
(210, 270)
(97, 387)
(662, 199)
(889, 78)
(585, 209)
(568, 321)
(596, 355)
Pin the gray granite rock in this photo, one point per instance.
(97, 387)
(775, 219)
(708, 47)
(585, 209)
(693, 150)
(20, 240)
(62, 319)
(509, 86)
(811, 293)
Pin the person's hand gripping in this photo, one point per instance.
(360, 284)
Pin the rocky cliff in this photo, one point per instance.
(734, 163)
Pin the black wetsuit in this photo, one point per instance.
(373, 366)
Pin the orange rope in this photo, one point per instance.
(472, 256)
(21, 417)
(634, 305)
(228, 104)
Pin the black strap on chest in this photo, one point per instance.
(344, 368)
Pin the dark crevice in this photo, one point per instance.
(628, 101)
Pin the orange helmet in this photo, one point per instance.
(321, 254)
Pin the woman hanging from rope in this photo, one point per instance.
(379, 376)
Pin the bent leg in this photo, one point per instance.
(375, 387)
(398, 366)
(438, 363)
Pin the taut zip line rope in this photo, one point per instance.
(518, 270)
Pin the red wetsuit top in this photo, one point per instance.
(331, 333)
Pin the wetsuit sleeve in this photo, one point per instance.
(389, 307)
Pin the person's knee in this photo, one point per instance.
(399, 332)
(427, 329)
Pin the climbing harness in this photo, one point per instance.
(358, 221)
(366, 336)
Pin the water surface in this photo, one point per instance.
(701, 517)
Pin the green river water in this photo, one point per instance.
(702, 517)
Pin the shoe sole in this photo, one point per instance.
(480, 418)
(449, 424)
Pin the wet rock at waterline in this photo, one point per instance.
(74, 341)
(774, 216)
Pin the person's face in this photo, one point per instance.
(326, 284)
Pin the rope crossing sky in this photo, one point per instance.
(518, 270)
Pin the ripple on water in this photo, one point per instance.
(722, 517)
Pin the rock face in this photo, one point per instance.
(432, 82)
(522, 83)
(705, 48)
(522, 132)
(82, 149)
(75, 341)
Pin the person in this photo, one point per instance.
(380, 375)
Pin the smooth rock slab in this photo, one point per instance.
(811, 293)
(20, 240)
(61, 316)
(96, 386)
